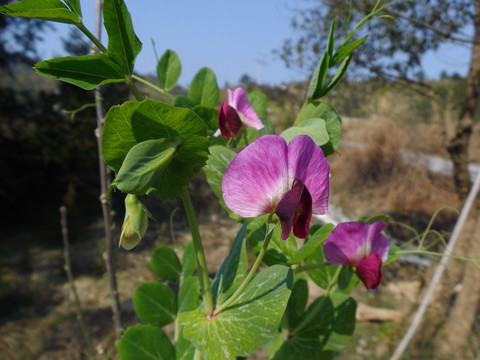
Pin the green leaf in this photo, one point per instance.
(318, 78)
(145, 342)
(394, 253)
(183, 102)
(123, 44)
(217, 163)
(168, 69)
(208, 115)
(315, 128)
(298, 301)
(117, 136)
(165, 264)
(279, 251)
(326, 336)
(335, 79)
(204, 89)
(259, 103)
(189, 294)
(53, 10)
(345, 277)
(87, 72)
(144, 164)
(184, 350)
(189, 260)
(345, 50)
(333, 122)
(74, 5)
(331, 38)
(233, 269)
(323, 275)
(314, 241)
(155, 303)
(242, 328)
(155, 120)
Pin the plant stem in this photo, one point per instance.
(133, 88)
(153, 86)
(92, 37)
(68, 269)
(197, 244)
(300, 269)
(318, 306)
(253, 270)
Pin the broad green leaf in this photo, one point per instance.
(298, 300)
(233, 269)
(123, 44)
(345, 50)
(165, 264)
(279, 251)
(145, 342)
(144, 164)
(259, 103)
(318, 78)
(333, 122)
(74, 5)
(155, 303)
(189, 294)
(117, 136)
(314, 241)
(87, 71)
(315, 128)
(168, 69)
(184, 350)
(155, 120)
(242, 328)
(209, 116)
(217, 163)
(53, 10)
(335, 79)
(326, 336)
(183, 102)
(323, 275)
(204, 89)
(189, 260)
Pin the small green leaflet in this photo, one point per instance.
(204, 89)
(242, 328)
(168, 69)
(145, 342)
(315, 128)
(53, 10)
(165, 264)
(314, 241)
(155, 303)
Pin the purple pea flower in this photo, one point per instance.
(361, 245)
(270, 177)
(235, 113)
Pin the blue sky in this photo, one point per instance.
(230, 37)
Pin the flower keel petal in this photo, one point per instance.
(369, 270)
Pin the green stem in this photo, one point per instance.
(303, 268)
(253, 270)
(133, 88)
(197, 244)
(318, 306)
(197, 355)
(433, 253)
(92, 37)
(153, 86)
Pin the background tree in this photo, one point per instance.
(394, 52)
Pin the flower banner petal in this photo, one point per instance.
(239, 100)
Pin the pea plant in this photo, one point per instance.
(272, 184)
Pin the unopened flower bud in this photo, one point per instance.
(135, 223)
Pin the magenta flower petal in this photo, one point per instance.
(229, 122)
(379, 243)
(239, 100)
(369, 270)
(295, 210)
(257, 178)
(307, 162)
